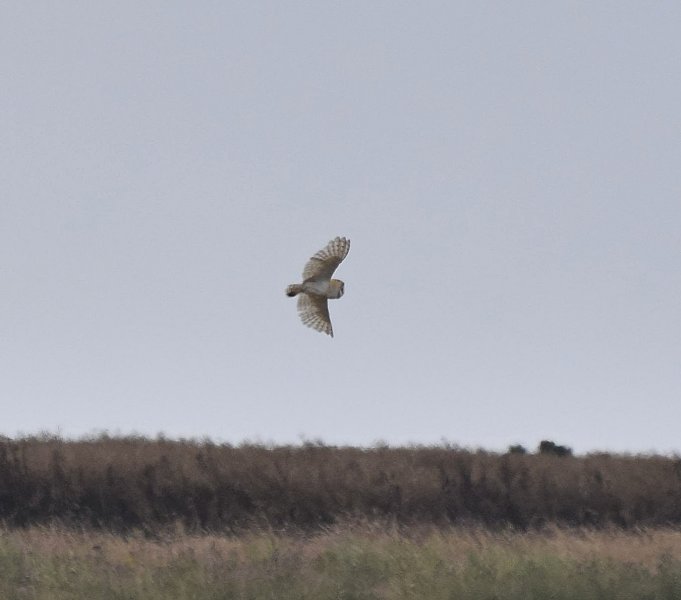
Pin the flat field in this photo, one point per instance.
(351, 561)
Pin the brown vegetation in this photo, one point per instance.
(359, 560)
(125, 483)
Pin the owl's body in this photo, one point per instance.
(318, 287)
(331, 289)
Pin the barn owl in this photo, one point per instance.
(318, 287)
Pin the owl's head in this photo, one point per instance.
(336, 288)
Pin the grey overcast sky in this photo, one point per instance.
(509, 174)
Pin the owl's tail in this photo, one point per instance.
(293, 290)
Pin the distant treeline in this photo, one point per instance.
(131, 482)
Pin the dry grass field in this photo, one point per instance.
(351, 561)
(134, 518)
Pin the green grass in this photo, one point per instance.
(350, 563)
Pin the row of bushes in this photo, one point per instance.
(122, 483)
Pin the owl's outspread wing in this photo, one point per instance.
(314, 312)
(322, 265)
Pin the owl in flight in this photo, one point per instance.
(318, 287)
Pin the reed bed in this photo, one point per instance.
(136, 483)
